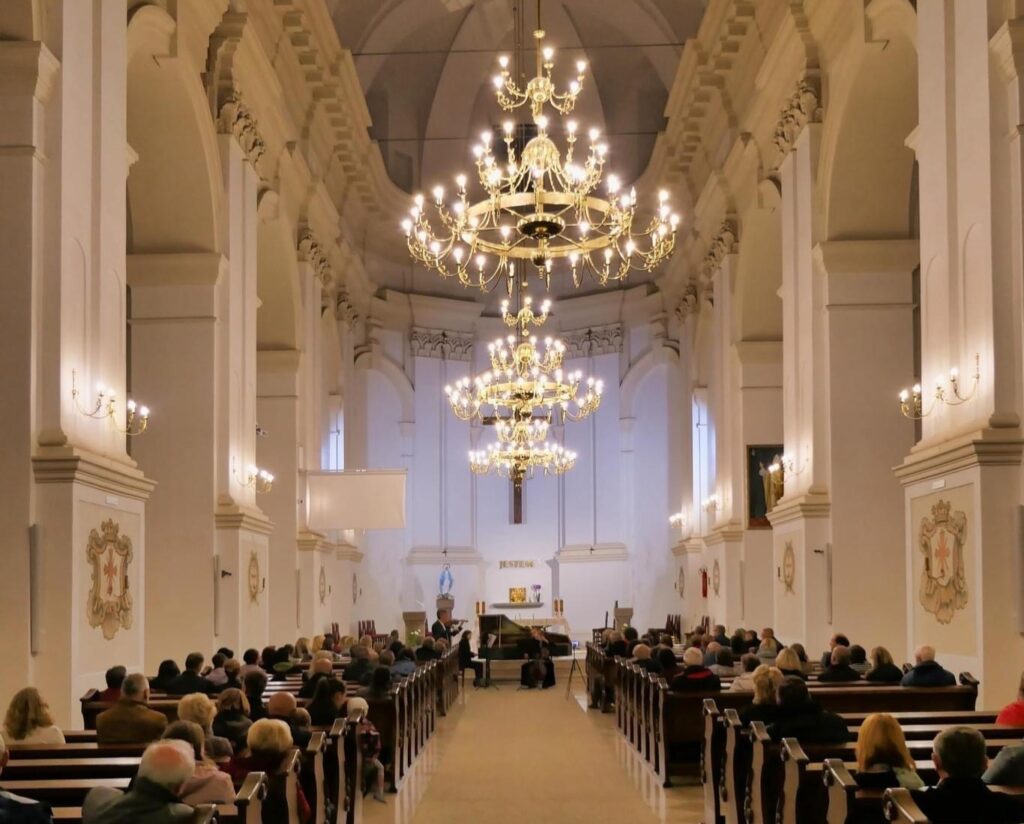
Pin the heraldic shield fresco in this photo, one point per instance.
(110, 603)
(941, 540)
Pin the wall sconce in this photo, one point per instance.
(785, 466)
(710, 504)
(678, 520)
(259, 478)
(105, 406)
(911, 401)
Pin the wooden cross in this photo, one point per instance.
(517, 500)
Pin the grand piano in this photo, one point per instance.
(512, 639)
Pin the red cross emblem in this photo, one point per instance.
(942, 554)
(110, 570)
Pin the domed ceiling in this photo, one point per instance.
(426, 66)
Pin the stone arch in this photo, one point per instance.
(278, 319)
(657, 356)
(396, 376)
(871, 111)
(174, 194)
(757, 305)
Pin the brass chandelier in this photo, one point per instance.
(524, 391)
(540, 205)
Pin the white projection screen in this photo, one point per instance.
(360, 499)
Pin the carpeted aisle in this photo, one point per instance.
(513, 756)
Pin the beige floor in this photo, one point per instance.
(509, 756)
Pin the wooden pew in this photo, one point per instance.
(900, 806)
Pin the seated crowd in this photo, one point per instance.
(778, 675)
(225, 728)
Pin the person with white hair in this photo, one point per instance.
(357, 711)
(927, 672)
(14, 808)
(695, 677)
(154, 797)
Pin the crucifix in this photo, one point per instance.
(517, 499)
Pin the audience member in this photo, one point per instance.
(617, 646)
(165, 674)
(839, 668)
(15, 809)
(216, 676)
(232, 720)
(695, 676)
(280, 707)
(801, 718)
(255, 683)
(1012, 715)
(801, 653)
(371, 747)
(190, 680)
(250, 662)
(28, 720)
(405, 664)
(738, 644)
(769, 647)
(269, 740)
(859, 659)
(153, 798)
(765, 706)
(113, 676)
(198, 708)
(837, 640)
(642, 658)
(720, 636)
(669, 666)
(1007, 768)
(632, 638)
(208, 784)
(301, 651)
(316, 644)
(711, 653)
(883, 670)
(379, 687)
(130, 721)
(960, 760)
(750, 642)
(744, 682)
(424, 652)
(466, 661)
(267, 658)
(301, 719)
(232, 675)
(927, 672)
(328, 703)
(882, 756)
(789, 664)
(319, 669)
(724, 666)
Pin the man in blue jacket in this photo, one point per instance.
(927, 672)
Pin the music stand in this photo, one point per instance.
(575, 667)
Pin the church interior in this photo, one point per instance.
(587, 410)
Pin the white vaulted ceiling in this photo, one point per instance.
(425, 68)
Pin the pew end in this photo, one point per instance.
(250, 797)
(899, 806)
(841, 789)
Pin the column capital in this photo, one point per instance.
(804, 106)
(27, 68)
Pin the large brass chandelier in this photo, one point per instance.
(525, 390)
(540, 206)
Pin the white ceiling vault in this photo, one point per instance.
(425, 67)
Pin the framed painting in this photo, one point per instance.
(764, 488)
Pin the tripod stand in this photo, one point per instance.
(575, 667)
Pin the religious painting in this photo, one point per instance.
(941, 538)
(764, 488)
(517, 595)
(110, 603)
(789, 566)
(942, 569)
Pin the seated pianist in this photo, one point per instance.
(538, 666)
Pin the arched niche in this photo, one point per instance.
(174, 187)
(277, 278)
(867, 169)
(757, 305)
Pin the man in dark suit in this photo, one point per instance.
(959, 757)
(361, 666)
(442, 627)
(130, 721)
(837, 640)
(800, 718)
(839, 669)
(927, 672)
(281, 707)
(190, 680)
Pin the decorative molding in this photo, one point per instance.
(235, 117)
(348, 552)
(688, 303)
(436, 556)
(723, 243)
(242, 518)
(596, 340)
(110, 603)
(344, 309)
(437, 343)
(596, 553)
(981, 448)
(70, 464)
(308, 541)
(311, 252)
(803, 107)
(803, 507)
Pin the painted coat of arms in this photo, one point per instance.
(110, 603)
(941, 540)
